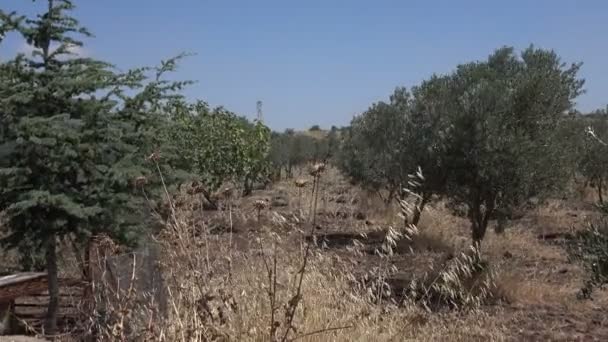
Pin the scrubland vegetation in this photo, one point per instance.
(470, 207)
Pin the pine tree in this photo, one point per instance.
(72, 141)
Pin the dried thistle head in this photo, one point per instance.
(227, 191)
(317, 169)
(260, 204)
(300, 183)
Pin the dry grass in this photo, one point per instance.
(516, 289)
(238, 282)
(246, 287)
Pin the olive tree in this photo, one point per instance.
(425, 137)
(594, 157)
(373, 152)
(390, 142)
(503, 113)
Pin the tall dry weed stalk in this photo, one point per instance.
(463, 282)
(213, 290)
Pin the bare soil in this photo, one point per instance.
(538, 281)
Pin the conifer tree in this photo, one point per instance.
(72, 141)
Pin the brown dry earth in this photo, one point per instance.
(538, 281)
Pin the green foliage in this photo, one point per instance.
(391, 141)
(291, 149)
(485, 136)
(75, 134)
(590, 248)
(501, 145)
(593, 163)
(256, 167)
(314, 128)
(217, 145)
(373, 148)
(49, 120)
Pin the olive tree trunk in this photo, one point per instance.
(420, 207)
(479, 218)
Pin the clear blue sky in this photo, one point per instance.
(321, 62)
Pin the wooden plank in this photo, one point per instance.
(42, 305)
(20, 289)
(35, 283)
(61, 294)
(20, 278)
(41, 315)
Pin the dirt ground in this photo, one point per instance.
(536, 280)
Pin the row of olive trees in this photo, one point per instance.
(291, 149)
(485, 135)
(83, 146)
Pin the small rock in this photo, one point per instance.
(563, 270)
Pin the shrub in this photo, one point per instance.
(594, 156)
(590, 247)
(217, 145)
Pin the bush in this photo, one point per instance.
(593, 162)
(218, 146)
(590, 248)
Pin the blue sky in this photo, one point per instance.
(321, 62)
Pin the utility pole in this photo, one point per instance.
(259, 111)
